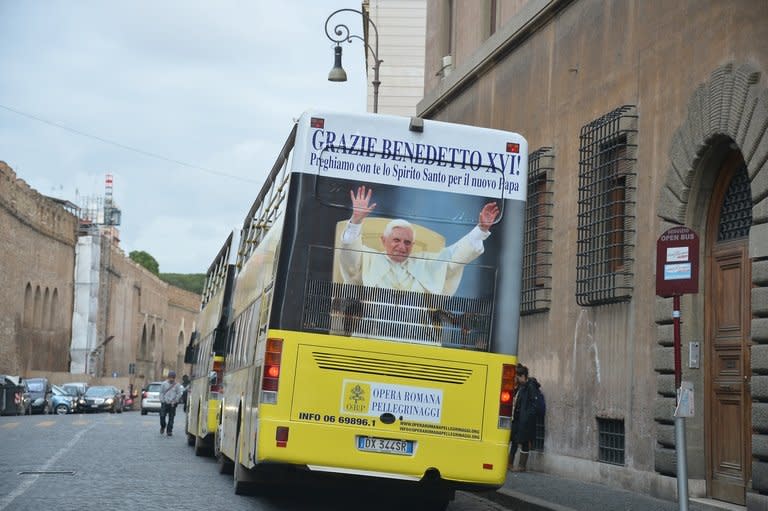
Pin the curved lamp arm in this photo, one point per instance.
(341, 33)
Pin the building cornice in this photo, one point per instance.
(532, 16)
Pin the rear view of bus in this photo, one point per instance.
(391, 337)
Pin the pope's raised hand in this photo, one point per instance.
(361, 203)
(488, 215)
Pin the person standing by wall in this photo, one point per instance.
(170, 395)
(525, 411)
(185, 382)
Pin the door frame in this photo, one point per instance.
(726, 174)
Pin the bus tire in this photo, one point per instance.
(201, 446)
(225, 464)
(190, 436)
(202, 443)
(244, 481)
(431, 504)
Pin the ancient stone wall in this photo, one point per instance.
(142, 325)
(37, 239)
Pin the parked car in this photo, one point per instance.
(40, 394)
(102, 398)
(150, 398)
(62, 402)
(76, 389)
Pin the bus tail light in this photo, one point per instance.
(281, 436)
(271, 376)
(215, 386)
(505, 396)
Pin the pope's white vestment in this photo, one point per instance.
(426, 272)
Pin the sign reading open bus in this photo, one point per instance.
(677, 262)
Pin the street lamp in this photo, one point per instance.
(342, 34)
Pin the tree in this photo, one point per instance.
(146, 260)
(193, 282)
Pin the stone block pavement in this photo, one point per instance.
(536, 491)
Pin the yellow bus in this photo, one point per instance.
(375, 307)
(205, 352)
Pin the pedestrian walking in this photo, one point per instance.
(170, 395)
(525, 408)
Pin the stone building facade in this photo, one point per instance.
(146, 324)
(640, 117)
(400, 25)
(137, 324)
(37, 240)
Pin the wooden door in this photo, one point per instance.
(727, 330)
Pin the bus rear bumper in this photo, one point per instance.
(461, 464)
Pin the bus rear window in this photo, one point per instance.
(395, 315)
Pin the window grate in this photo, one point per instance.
(401, 316)
(611, 441)
(606, 208)
(736, 211)
(537, 248)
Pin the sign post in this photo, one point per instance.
(677, 273)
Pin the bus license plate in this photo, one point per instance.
(385, 445)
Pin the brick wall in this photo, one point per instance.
(37, 239)
(142, 321)
(149, 321)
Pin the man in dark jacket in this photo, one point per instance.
(523, 417)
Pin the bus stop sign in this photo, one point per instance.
(677, 262)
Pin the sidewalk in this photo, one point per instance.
(535, 491)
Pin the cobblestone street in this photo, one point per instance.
(121, 462)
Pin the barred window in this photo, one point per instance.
(606, 208)
(736, 211)
(537, 248)
(610, 441)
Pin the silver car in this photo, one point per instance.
(150, 398)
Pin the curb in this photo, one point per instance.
(522, 502)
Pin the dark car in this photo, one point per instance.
(103, 398)
(62, 402)
(40, 394)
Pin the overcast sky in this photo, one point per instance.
(185, 102)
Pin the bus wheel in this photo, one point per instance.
(245, 483)
(225, 464)
(430, 504)
(190, 436)
(201, 447)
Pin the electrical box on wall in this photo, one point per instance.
(694, 355)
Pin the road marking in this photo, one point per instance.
(27, 482)
(45, 424)
(10, 425)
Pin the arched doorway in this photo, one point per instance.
(723, 136)
(727, 332)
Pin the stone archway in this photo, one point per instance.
(730, 106)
